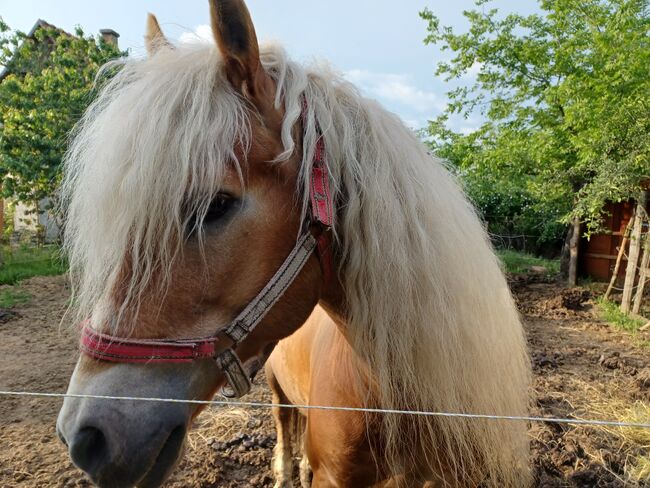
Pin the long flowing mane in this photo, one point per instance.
(429, 310)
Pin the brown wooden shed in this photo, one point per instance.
(597, 255)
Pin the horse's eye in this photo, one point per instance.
(218, 208)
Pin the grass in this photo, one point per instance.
(219, 423)
(517, 262)
(635, 441)
(12, 297)
(611, 312)
(26, 262)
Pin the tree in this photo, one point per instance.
(566, 99)
(47, 85)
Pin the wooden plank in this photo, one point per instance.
(619, 258)
(632, 261)
(595, 255)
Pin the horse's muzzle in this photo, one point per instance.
(121, 456)
(126, 443)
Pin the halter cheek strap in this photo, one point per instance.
(221, 345)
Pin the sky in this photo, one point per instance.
(377, 44)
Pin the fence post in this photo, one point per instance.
(633, 256)
(643, 273)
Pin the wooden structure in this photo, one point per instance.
(597, 257)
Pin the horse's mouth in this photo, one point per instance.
(166, 461)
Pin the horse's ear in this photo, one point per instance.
(235, 35)
(154, 39)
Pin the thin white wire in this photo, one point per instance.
(607, 423)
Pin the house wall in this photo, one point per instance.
(25, 221)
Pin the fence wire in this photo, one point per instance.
(239, 403)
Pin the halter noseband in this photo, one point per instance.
(221, 346)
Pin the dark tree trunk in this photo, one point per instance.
(569, 257)
(574, 244)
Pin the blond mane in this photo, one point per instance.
(429, 308)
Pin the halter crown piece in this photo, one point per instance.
(220, 346)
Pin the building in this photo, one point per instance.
(598, 253)
(26, 220)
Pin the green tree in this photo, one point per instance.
(49, 82)
(565, 95)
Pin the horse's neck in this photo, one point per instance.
(333, 301)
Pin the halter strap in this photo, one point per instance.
(221, 345)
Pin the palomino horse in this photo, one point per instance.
(219, 198)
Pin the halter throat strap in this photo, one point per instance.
(221, 346)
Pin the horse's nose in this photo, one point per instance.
(60, 435)
(89, 450)
(113, 457)
(124, 443)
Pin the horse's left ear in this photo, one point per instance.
(235, 35)
(154, 39)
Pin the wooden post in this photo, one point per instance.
(643, 272)
(632, 260)
(621, 252)
(645, 259)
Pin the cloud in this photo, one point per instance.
(465, 125)
(473, 71)
(202, 33)
(393, 88)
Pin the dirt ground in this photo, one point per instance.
(583, 369)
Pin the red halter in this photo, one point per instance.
(221, 345)
(117, 349)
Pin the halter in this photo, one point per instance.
(221, 346)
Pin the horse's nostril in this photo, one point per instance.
(169, 451)
(167, 458)
(88, 449)
(61, 436)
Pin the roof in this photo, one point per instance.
(40, 24)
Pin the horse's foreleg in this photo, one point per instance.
(305, 467)
(282, 459)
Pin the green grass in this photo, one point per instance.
(26, 262)
(11, 297)
(517, 262)
(611, 312)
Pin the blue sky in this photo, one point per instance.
(377, 44)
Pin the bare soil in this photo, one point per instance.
(580, 364)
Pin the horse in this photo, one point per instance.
(224, 203)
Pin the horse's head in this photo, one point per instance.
(183, 202)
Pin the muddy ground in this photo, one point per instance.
(583, 369)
